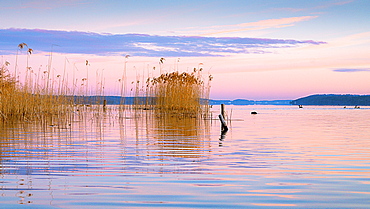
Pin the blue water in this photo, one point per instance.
(283, 157)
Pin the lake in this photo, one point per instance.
(282, 157)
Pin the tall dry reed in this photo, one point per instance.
(17, 102)
(180, 93)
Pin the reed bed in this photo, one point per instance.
(50, 98)
(179, 93)
(18, 103)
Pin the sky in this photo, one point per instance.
(258, 50)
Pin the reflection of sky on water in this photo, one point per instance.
(141, 142)
(281, 157)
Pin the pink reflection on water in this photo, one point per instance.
(283, 156)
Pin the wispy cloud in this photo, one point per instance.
(273, 23)
(138, 44)
(320, 6)
(351, 70)
(259, 25)
(333, 3)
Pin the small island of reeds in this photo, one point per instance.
(180, 93)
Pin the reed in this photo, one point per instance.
(45, 95)
(179, 93)
(21, 103)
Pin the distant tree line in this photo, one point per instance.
(333, 99)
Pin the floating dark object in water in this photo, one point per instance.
(357, 107)
(300, 106)
(254, 113)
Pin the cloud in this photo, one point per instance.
(138, 44)
(321, 5)
(332, 4)
(259, 25)
(271, 23)
(351, 70)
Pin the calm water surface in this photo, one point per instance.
(283, 157)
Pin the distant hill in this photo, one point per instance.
(249, 102)
(318, 99)
(111, 100)
(334, 99)
(116, 100)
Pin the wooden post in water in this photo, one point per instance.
(223, 123)
(224, 127)
(223, 110)
(104, 104)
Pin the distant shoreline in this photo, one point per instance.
(116, 100)
(317, 99)
(334, 100)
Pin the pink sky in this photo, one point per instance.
(298, 48)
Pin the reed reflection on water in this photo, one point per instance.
(315, 157)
